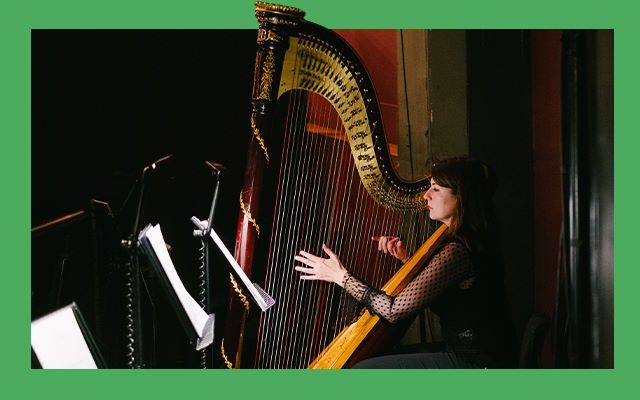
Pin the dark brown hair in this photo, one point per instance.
(473, 183)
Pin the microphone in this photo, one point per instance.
(96, 202)
(129, 242)
(218, 170)
(215, 167)
(155, 164)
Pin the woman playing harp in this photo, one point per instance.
(462, 282)
(318, 157)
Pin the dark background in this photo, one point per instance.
(104, 105)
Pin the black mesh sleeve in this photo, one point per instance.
(447, 267)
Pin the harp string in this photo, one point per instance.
(323, 294)
(350, 225)
(332, 233)
(339, 233)
(305, 195)
(297, 227)
(336, 179)
(302, 193)
(346, 303)
(353, 260)
(281, 234)
(315, 205)
(302, 297)
(264, 347)
(290, 237)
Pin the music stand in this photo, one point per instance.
(62, 340)
(197, 324)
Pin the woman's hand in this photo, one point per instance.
(324, 269)
(392, 245)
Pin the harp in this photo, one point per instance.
(319, 170)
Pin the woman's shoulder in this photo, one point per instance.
(454, 244)
(454, 247)
(456, 256)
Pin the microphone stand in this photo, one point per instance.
(136, 359)
(218, 171)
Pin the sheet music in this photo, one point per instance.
(196, 314)
(245, 279)
(263, 301)
(59, 343)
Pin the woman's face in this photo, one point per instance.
(442, 203)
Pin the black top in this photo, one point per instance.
(465, 290)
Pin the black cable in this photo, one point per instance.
(202, 292)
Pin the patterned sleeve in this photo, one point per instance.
(446, 268)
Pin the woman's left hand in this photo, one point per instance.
(324, 269)
(392, 245)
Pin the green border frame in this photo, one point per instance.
(18, 17)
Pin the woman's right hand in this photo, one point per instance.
(318, 268)
(392, 245)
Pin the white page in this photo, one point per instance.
(196, 314)
(58, 342)
(250, 286)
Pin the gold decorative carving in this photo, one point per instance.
(274, 37)
(279, 9)
(245, 312)
(256, 134)
(268, 35)
(263, 34)
(224, 356)
(278, 14)
(247, 214)
(266, 79)
(237, 289)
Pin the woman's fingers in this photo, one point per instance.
(382, 244)
(377, 239)
(327, 250)
(391, 245)
(326, 269)
(310, 256)
(311, 274)
(388, 244)
(392, 250)
(306, 261)
(309, 277)
(305, 270)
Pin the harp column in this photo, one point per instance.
(276, 24)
